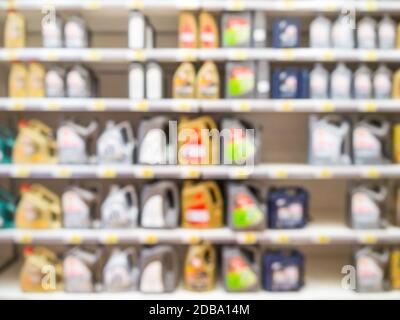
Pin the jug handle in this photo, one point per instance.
(175, 195)
(130, 190)
(215, 191)
(172, 264)
(209, 122)
(127, 127)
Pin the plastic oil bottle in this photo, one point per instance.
(15, 30)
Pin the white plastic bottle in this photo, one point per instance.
(320, 32)
(154, 81)
(343, 33)
(136, 81)
(341, 79)
(363, 83)
(366, 33)
(382, 83)
(387, 33)
(319, 82)
(136, 30)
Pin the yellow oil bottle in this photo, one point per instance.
(395, 269)
(202, 205)
(38, 208)
(34, 143)
(41, 271)
(396, 85)
(198, 141)
(14, 30)
(184, 81)
(209, 33)
(207, 82)
(200, 268)
(36, 76)
(188, 31)
(396, 143)
(17, 81)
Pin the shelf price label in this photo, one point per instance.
(243, 106)
(280, 174)
(51, 55)
(325, 173)
(142, 106)
(192, 239)
(74, 239)
(247, 238)
(282, 238)
(327, 106)
(285, 106)
(149, 238)
(186, 5)
(237, 55)
(25, 238)
(107, 172)
(11, 54)
(371, 5)
(20, 172)
(92, 55)
(369, 106)
(241, 173)
(53, 106)
(287, 54)
(98, 105)
(93, 4)
(187, 55)
(368, 239)
(16, 105)
(322, 239)
(328, 55)
(111, 239)
(330, 6)
(235, 5)
(146, 172)
(191, 173)
(288, 4)
(183, 106)
(370, 55)
(138, 55)
(136, 4)
(62, 172)
(372, 173)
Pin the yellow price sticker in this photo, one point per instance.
(53, 106)
(330, 6)
(187, 56)
(371, 5)
(243, 106)
(288, 4)
(63, 173)
(17, 106)
(325, 173)
(21, 172)
(235, 5)
(147, 172)
(93, 4)
(98, 105)
(139, 55)
(150, 239)
(370, 107)
(328, 55)
(93, 55)
(192, 173)
(142, 106)
(111, 239)
(286, 106)
(373, 173)
(371, 55)
(369, 239)
(323, 239)
(281, 174)
(184, 106)
(26, 238)
(108, 173)
(193, 239)
(247, 238)
(328, 106)
(288, 54)
(238, 55)
(137, 4)
(283, 239)
(241, 174)
(11, 54)
(74, 239)
(51, 55)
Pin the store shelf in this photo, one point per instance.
(263, 171)
(178, 55)
(312, 235)
(314, 290)
(195, 106)
(305, 6)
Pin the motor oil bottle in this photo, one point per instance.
(15, 30)
(52, 32)
(366, 33)
(160, 205)
(35, 80)
(200, 266)
(121, 271)
(7, 139)
(34, 143)
(396, 85)
(236, 29)
(79, 206)
(363, 83)
(283, 270)
(188, 31)
(17, 81)
(154, 81)
(290, 83)
(367, 207)
(38, 262)
(202, 205)
(159, 269)
(259, 32)
(197, 141)
(209, 33)
(7, 209)
(382, 83)
(288, 208)
(80, 83)
(395, 269)
(207, 82)
(246, 209)
(184, 82)
(136, 81)
(396, 143)
(240, 269)
(38, 208)
(386, 33)
(320, 32)
(329, 141)
(341, 82)
(120, 208)
(286, 33)
(55, 83)
(116, 144)
(371, 268)
(342, 33)
(240, 80)
(137, 30)
(156, 146)
(319, 82)
(371, 141)
(76, 34)
(81, 269)
(74, 142)
(240, 144)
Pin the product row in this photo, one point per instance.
(198, 205)
(157, 269)
(230, 29)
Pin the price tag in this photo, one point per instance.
(328, 106)
(247, 238)
(372, 173)
(286, 106)
(11, 54)
(74, 239)
(17, 106)
(191, 173)
(287, 54)
(371, 5)
(288, 4)
(142, 106)
(187, 55)
(53, 106)
(137, 4)
(238, 55)
(20, 172)
(25, 238)
(235, 5)
(51, 55)
(371, 55)
(369, 239)
(280, 174)
(369, 107)
(107, 172)
(282, 239)
(241, 173)
(111, 239)
(98, 105)
(63, 173)
(323, 239)
(93, 55)
(146, 172)
(138, 55)
(150, 238)
(93, 4)
(328, 55)
(325, 173)
(243, 106)
(330, 6)
(183, 106)
(192, 239)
